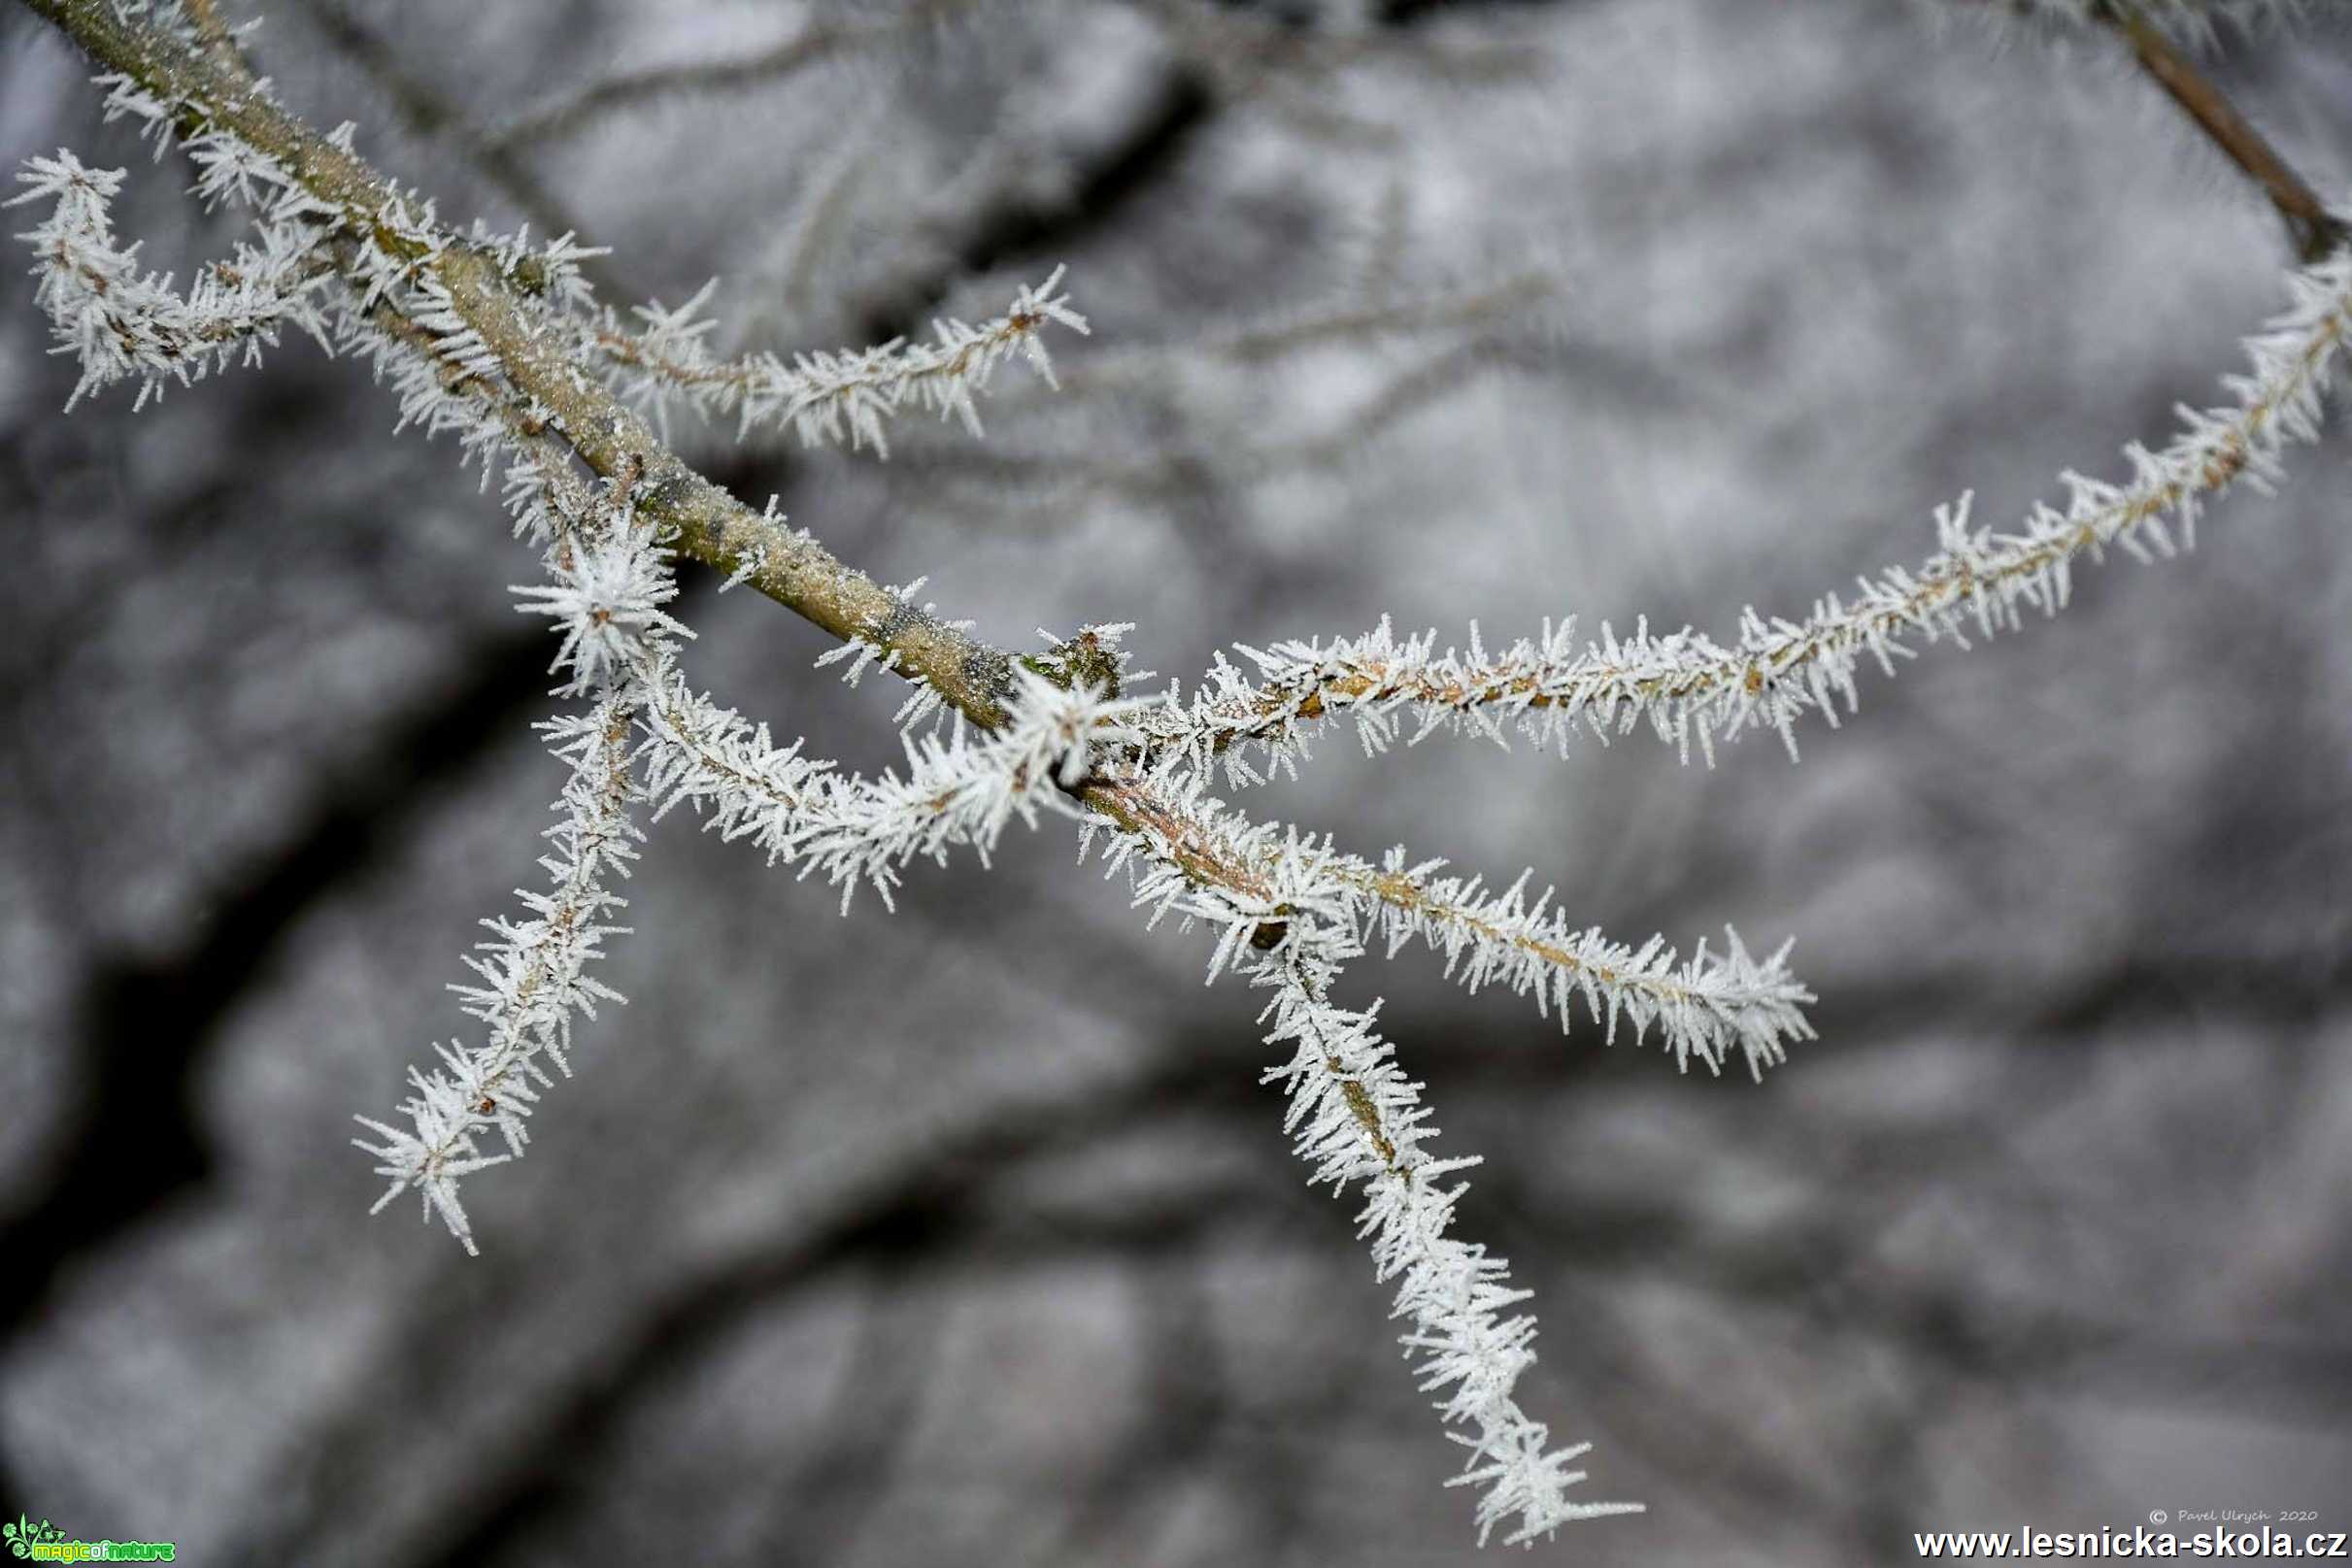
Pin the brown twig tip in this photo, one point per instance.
(2313, 228)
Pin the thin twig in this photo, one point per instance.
(2314, 230)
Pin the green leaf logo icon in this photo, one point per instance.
(21, 1535)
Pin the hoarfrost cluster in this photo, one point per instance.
(824, 398)
(500, 342)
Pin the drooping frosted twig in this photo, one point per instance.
(609, 584)
(533, 978)
(1353, 1117)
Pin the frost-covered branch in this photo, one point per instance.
(854, 831)
(826, 397)
(533, 978)
(1190, 854)
(1354, 1117)
(124, 323)
(609, 582)
(1690, 688)
(964, 790)
(501, 342)
(501, 298)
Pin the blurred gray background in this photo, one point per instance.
(966, 1235)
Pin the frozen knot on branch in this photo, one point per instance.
(605, 600)
(964, 791)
